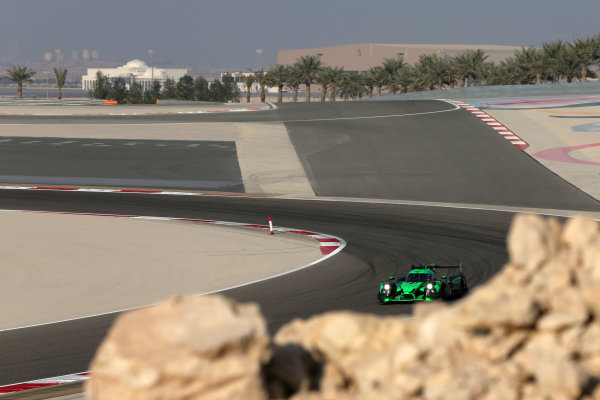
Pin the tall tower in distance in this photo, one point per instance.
(86, 54)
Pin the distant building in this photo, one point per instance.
(363, 56)
(133, 71)
(95, 55)
(85, 54)
(48, 56)
(238, 78)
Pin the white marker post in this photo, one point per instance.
(270, 225)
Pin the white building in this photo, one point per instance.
(238, 78)
(133, 71)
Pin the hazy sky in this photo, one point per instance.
(226, 33)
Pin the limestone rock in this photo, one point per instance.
(189, 348)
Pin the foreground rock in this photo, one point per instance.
(197, 348)
(532, 332)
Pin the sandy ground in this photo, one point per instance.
(57, 267)
(554, 135)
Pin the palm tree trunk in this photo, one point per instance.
(59, 92)
(307, 92)
(262, 94)
(538, 78)
(370, 91)
(462, 82)
(378, 91)
(584, 73)
(323, 93)
(280, 94)
(247, 95)
(20, 89)
(295, 94)
(332, 95)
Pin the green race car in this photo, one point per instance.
(423, 284)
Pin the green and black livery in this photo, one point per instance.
(423, 284)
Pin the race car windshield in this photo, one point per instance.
(418, 278)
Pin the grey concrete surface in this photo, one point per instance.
(561, 128)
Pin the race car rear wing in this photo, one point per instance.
(434, 267)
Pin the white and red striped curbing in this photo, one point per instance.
(42, 383)
(493, 123)
(328, 244)
(130, 191)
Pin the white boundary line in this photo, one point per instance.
(456, 107)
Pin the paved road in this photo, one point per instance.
(382, 240)
(201, 165)
(445, 154)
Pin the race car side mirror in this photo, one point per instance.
(444, 276)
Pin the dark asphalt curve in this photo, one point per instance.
(381, 240)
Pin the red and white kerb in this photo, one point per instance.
(493, 123)
(41, 383)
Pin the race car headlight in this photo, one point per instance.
(386, 286)
(430, 286)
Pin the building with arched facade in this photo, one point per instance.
(133, 71)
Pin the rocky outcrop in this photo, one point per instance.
(194, 348)
(532, 332)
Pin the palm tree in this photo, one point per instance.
(368, 82)
(326, 78)
(584, 51)
(407, 79)
(568, 65)
(391, 67)
(431, 70)
(533, 63)
(294, 80)
(308, 68)
(20, 75)
(352, 86)
(552, 57)
(469, 65)
(260, 78)
(248, 80)
(61, 75)
(277, 76)
(377, 75)
(337, 83)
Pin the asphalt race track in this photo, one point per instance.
(443, 156)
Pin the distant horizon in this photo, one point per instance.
(226, 35)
